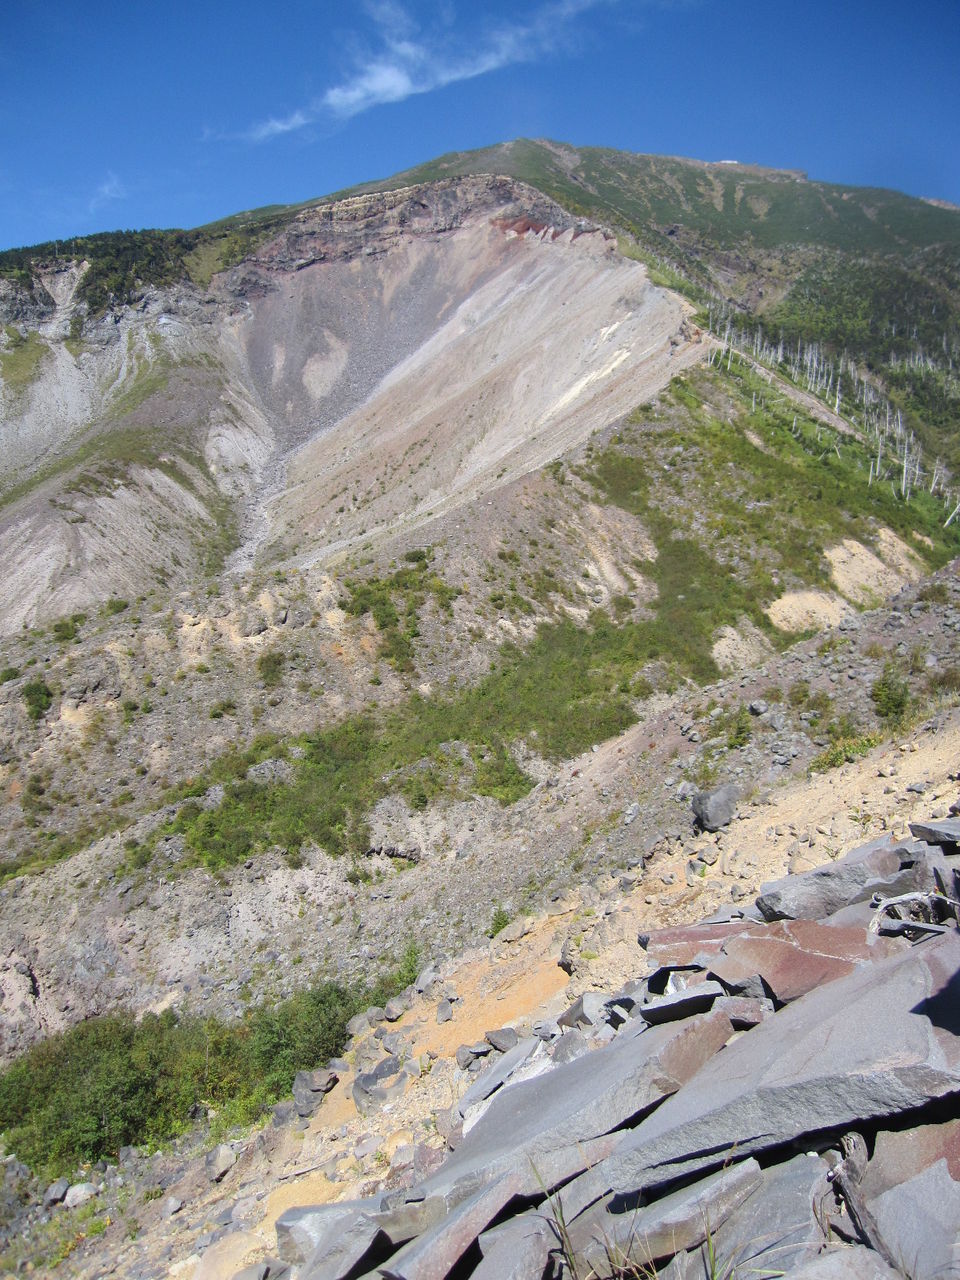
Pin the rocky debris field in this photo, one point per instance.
(165, 935)
(777, 1090)
(771, 1088)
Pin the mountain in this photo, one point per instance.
(377, 567)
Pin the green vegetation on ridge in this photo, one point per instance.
(115, 1081)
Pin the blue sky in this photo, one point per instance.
(141, 114)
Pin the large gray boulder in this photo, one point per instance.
(919, 1222)
(779, 1227)
(310, 1088)
(715, 809)
(611, 1238)
(880, 866)
(883, 1039)
(533, 1127)
(220, 1161)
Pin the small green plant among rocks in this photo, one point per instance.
(39, 698)
(498, 921)
(891, 695)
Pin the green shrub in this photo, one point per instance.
(38, 697)
(844, 751)
(890, 695)
(114, 1081)
(270, 667)
(945, 681)
(115, 605)
(498, 921)
(934, 593)
(741, 730)
(9, 673)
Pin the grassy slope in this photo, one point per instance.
(740, 494)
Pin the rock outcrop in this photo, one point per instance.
(780, 1091)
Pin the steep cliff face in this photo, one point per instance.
(468, 322)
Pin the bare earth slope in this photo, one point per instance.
(461, 333)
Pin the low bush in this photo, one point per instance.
(890, 695)
(38, 697)
(114, 1081)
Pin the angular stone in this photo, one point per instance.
(220, 1161)
(571, 1045)
(498, 1073)
(591, 1096)
(610, 1237)
(356, 1243)
(468, 1053)
(79, 1194)
(444, 1011)
(681, 1004)
(586, 1011)
(689, 944)
(519, 1249)
(744, 1011)
(502, 1039)
(310, 1087)
(433, 1255)
(820, 1063)
(373, 1088)
(426, 978)
(715, 808)
(846, 1263)
(943, 831)
(900, 1154)
(55, 1192)
(303, 1232)
(394, 1009)
(794, 956)
(171, 1205)
(881, 865)
(779, 1226)
(919, 1222)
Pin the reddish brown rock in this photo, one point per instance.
(795, 956)
(686, 945)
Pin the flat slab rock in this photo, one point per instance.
(593, 1095)
(852, 1262)
(819, 1063)
(919, 1222)
(940, 831)
(684, 945)
(795, 956)
(608, 1237)
(813, 895)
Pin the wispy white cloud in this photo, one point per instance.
(404, 61)
(110, 189)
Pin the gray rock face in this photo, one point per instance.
(880, 865)
(220, 1161)
(79, 1194)
(681, 1004)
(590, 1096)
(817, 1064)
(845, 1263)
(498, 1074)
(919, 1222)
(310, 1088)
(517, 1249)
(945, 831)
(779, 1227)
(304, 1232)
(610, 1237)
(55, 1192)
(715, 809)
